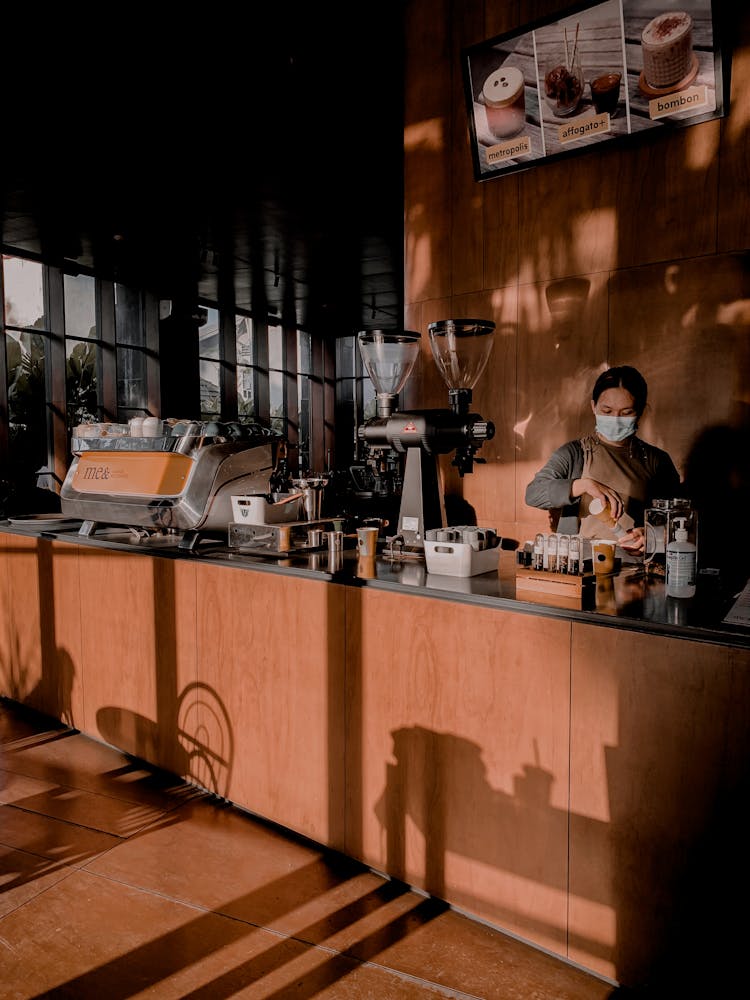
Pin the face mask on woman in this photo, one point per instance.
(615, 428)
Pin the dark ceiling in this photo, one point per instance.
(258, 159)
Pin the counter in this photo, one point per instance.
(628, 599)
(574, 777)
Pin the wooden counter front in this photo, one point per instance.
(457, 755)
(576, 784)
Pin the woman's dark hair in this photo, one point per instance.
(623, 377)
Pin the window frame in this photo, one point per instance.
(318, 434)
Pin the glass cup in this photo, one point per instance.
(603, 555)
(655, 537)
(605, 93)
(563, 85)
(505, 102)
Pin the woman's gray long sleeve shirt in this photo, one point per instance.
(551, 487)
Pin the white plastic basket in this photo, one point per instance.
(257, 510)
(459, 559)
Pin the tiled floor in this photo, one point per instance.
(118, 881)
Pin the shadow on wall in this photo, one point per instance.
(203, 751)
(717, 478)
(438, 784)
(52, 693)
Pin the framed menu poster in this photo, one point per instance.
(596, 73)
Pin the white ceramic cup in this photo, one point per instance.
(152, 427)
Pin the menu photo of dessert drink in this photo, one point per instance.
(505, 104)
(582, 75)
(603, 71)
(673, 60)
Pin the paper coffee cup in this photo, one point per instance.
(603, 555)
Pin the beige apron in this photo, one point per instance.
(619, 468)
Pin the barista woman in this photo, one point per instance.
(612, 465)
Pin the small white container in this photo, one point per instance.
(152, 427)
(257, 510)
(459, 559)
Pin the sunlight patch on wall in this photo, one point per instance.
(427, 136)
(418, 253)
(585, 243)
(525, 896)
(739, 114)
(595, 229)
(504, 311)
(702, 146)
(520, 427)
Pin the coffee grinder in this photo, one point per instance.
(461, 349)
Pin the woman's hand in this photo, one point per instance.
(634, 541)
(600, 491)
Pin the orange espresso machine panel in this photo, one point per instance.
(132, 473)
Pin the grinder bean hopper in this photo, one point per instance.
(461, 349)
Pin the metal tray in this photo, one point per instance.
(124, 443)
(56, 521)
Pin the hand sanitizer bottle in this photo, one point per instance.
(681, 562)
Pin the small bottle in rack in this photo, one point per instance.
(538, 553)
(552, 552)
(563, 551)
(575, 562)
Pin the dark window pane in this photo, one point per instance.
(345, 390)
(81, 376)
(131, 379)
(209, 389)
(80, 305)
(276, 394)
(245, 396)
(345, 347)
(244, 339)
(129, 327)
(24, 293)
(304, 353)
(275, 348)
(208, 335)
(304, 421)
(27, 423)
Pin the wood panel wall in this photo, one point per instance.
(646, 245)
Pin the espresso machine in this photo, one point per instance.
(460, 349)
(173, 486)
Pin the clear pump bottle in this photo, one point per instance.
(681, 562)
